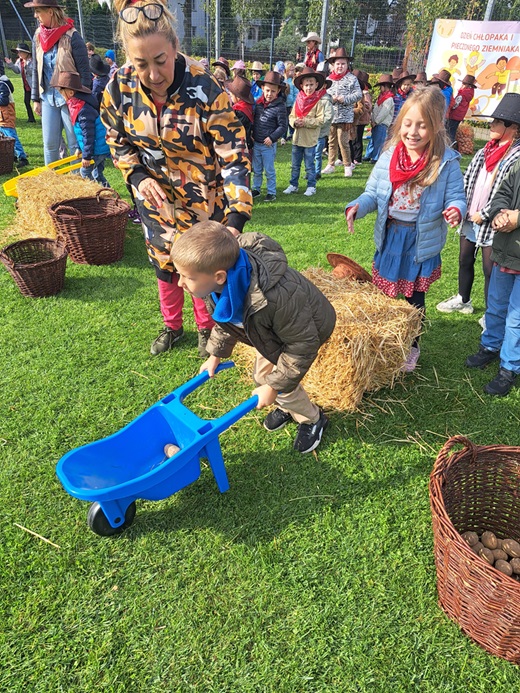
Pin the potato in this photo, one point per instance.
(500, 555)
(476, 547)
(489, 540)
(511, 547)
(487, 555)
(504, 567)
(515, 565)
(470, 538)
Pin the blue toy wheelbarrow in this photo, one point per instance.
(114, 471)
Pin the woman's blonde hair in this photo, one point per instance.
(143, 27)
(431, 103)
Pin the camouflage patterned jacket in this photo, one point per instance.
(196, 151)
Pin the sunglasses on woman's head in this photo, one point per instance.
(152, 11)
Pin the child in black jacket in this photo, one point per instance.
(270, 125)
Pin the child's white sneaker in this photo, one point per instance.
(329, 169)
(290, 189)
(455, 304)
(348, 171)
(310, 191)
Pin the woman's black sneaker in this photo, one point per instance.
(309, 435)
(482, 358)
(276, 419)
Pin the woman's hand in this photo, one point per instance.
(266, 396)
(506, 220)
(152, 192)
(210, 365)
(351, 215)
(37, 107)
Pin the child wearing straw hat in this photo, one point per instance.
(307, 117)
(314, 56)
(257, 71)
(269, 126)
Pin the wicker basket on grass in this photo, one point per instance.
(37, 265)
(93, 227)
(6, 154)
(476, 489)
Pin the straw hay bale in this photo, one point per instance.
(372, 338)
(37, 193)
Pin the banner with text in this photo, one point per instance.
(489, 51)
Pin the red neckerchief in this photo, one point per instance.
(311, 59)
(244, 107)
(335, 77)
(75, 105)
(264, 102)
(48, 37)
(404, 94)
(493, 153)
(402, 168)
(26, 84)
(383, 97)
(304, 104)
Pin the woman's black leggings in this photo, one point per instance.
(467, 268)
(418, 299)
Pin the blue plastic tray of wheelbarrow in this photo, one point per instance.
(131, 463)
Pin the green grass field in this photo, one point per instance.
(312, 573)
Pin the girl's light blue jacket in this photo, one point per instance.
(446, 191)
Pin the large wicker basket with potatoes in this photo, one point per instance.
(476, 491)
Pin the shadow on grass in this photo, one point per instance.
(96, 288)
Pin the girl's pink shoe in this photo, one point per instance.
(411, 361)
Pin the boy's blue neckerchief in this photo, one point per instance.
(229, 305)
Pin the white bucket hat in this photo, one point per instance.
(313, 36)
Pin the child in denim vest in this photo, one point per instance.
(269, 126)
(307, 117)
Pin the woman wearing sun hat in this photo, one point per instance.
(314, 56)
(57, 47)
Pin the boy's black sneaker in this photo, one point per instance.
(501, 383)
(309, 435)
(22, 162)
(166, 340)
(255, 193)
(276, 419)
(482, 358)
(269, 198)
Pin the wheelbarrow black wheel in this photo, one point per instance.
(98, 521)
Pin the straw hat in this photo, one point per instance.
(404, 75)
(309, 72)
(346, 268)
(224, 63)
(443, 76)
(70, 80)
(257, 67)
(241, 88)
(239, 65)
(271, 77)
(43, 3)
(385, 79)
(313, 36)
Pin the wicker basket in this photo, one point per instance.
(93, 227)
(37, 265)
(477, 489)
(6, 154)
(346, 268)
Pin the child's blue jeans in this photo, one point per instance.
(95, 170)
(319, 155)
(376, 142)
(502, 331)
(305, 154)
(263, 158)
(18, 149)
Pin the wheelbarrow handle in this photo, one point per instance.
(184, 390)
